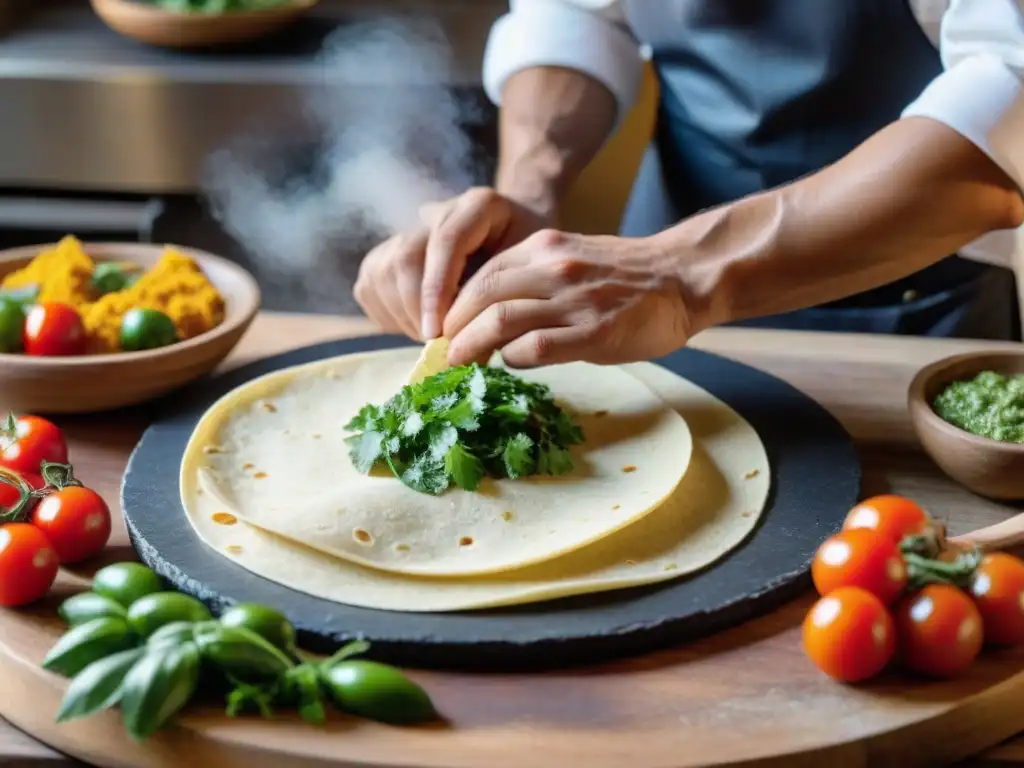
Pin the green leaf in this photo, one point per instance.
(466, 470)
(412, 425)
(427, 475)
(157, 687)
(365, 449)
(554, 461)
(442, 439)
(463, 414)
(462, 424)
(567, 431)
(363, 420)
(517, 408)
(98, 686)
(518, 456)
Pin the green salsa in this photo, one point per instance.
(989, 405)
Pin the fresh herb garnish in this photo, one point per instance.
(461, 425)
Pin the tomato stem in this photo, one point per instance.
(16, 512)
(928, 544)
(958, 572)
(59, 476)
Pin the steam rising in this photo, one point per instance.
(381, 136)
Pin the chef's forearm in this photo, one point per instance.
(914, 193)
(552, 123)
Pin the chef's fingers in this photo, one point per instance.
(432, 213)
(375, 307)
(551, 346)
(500, 324)
(489, 288)
(476, 218)
(375, 293)
(403, 279)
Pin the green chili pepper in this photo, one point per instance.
(376, 691)
(149, 613)
(86, 606)
(82, 645)
(266, 622)
(175, 633)
(98, 686)
(125, 583)
(159, 685)
(241, 653)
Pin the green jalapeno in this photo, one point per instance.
(150, 613)
(376, 691)
(86, 606)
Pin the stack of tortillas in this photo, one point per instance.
(668, 480)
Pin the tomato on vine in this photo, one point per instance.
(27, 441)
(28, 564)
(940, 630)
(76, 520)
(860, 558)
(894, 517)
(998, 592)
(849, 635)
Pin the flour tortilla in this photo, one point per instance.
(713, 510)
(285, 468)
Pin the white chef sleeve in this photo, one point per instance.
(981, 92)
(589, 36)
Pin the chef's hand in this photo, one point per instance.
(557, 298)
(407, 283)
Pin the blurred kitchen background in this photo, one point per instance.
(108, 139)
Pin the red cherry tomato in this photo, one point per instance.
(52, 328)
(28, 564)
(939, 629)
(998, 591)
(860, 558)
(894, 517)
(28, 441)
(849, 635)
(76, 521)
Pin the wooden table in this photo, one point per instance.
(861, 379)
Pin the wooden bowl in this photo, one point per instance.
(991, 468)
(87, 383)
(153, 25)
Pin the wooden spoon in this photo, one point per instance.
(1008, 534)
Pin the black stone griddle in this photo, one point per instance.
(815, 480)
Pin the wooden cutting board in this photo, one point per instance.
(746, 696)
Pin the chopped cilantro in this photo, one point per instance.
(461, 425)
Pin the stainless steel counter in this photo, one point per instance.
(82, 108)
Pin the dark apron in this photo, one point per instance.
(757, 93)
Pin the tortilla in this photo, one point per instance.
(283, 466)
(713, 510)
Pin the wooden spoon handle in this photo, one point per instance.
(1008, 534)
